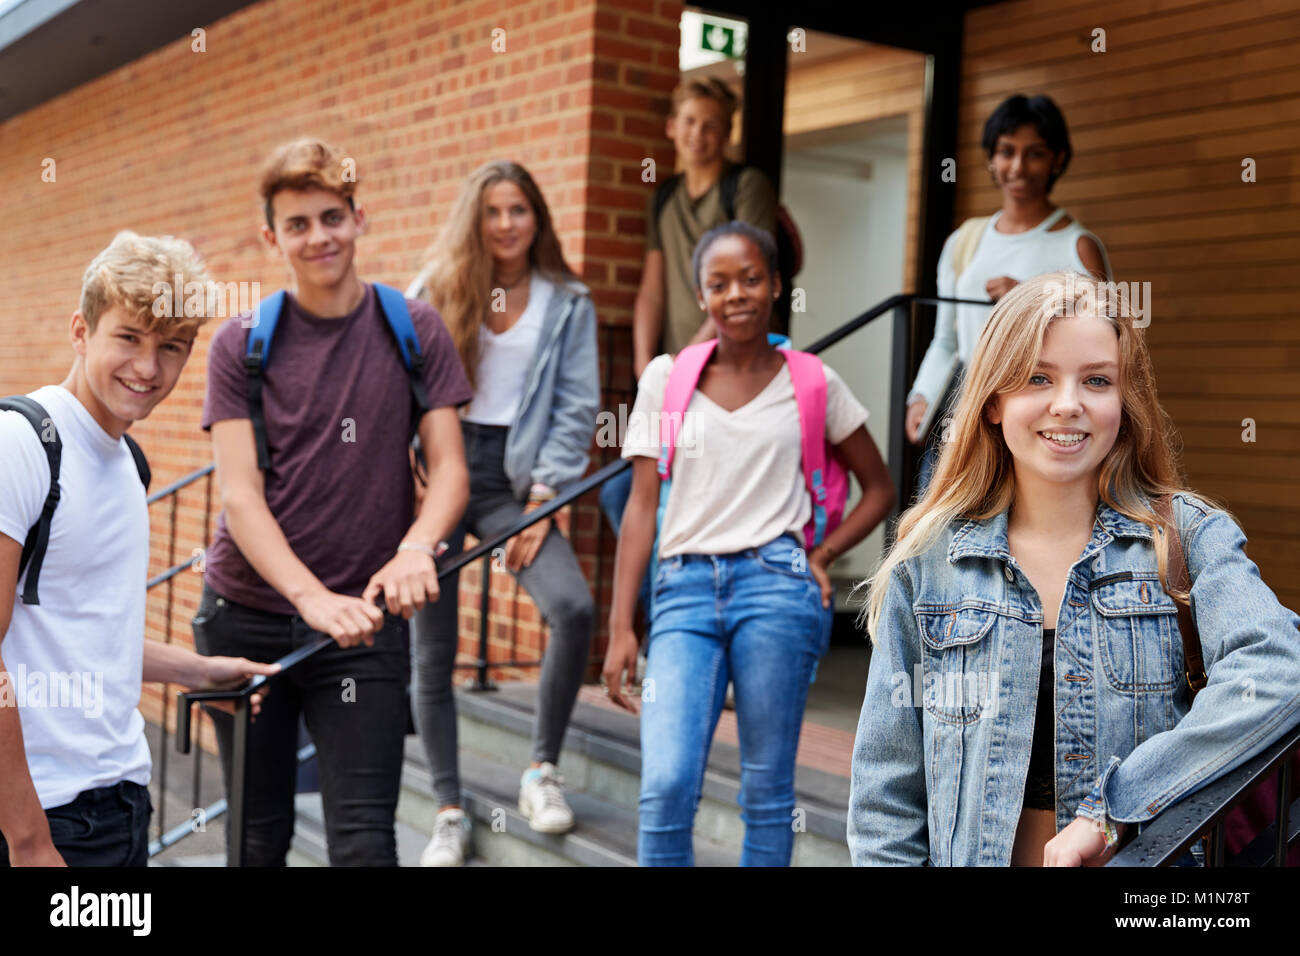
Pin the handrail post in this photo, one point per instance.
(900, 462)
(1284, 783)
(238, 783)
(485, 603)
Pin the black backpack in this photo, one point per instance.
(38, 538)
(789, 244)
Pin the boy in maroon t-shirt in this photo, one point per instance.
(306, 547)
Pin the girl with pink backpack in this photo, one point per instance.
(740, 452)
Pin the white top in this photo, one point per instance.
(504, 360)
(1021, 256)
(737, 478)
(77, 657)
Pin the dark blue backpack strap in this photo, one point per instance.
(38, 537)
(393, 306)
(265, 316)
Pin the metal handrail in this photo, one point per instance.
(1179, 827)
(172, 491)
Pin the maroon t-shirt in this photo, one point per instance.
(338, 410)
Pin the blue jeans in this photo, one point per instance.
(754, 618)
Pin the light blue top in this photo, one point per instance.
(943, 781)
(1020, 255)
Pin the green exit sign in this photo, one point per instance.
(716, 38)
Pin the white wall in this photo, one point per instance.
(853, 233)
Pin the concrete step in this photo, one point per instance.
(604, 833)
(601, 762)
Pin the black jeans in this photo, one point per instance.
(354, 702)
(108, 826)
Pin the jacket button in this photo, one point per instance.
(1006, 569)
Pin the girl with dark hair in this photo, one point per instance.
(1028, 147)
(735, 595)
(526, 331)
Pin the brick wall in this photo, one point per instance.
(416, 93)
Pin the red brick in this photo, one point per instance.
(414, 91)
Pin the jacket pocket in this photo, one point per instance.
(957, 650)
(1137, 628)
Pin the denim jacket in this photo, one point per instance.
(943, 741)
(550, 439)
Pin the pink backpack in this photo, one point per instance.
(824, 475)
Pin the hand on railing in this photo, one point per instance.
(232, 674)
(348, 620)
(404, 585)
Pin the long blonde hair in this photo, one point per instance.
(457, 274)
(974, 477)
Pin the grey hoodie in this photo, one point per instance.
(550, 438)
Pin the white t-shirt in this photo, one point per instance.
(737, 478)
(505, 359)
(1021, 256)
(76, 658)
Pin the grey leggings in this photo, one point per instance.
(556, 585)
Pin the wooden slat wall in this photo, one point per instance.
(871, 83)
(1160, 124)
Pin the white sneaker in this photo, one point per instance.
(450, 841)
(541, 800)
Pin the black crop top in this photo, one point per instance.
(1040, 782)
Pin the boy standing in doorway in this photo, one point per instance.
(709, 191)
(667, 315)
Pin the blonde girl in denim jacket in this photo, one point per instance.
(1027, 699)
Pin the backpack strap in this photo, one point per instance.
(809, 377)
(968, 240)
(38, 537)
(141, 462)
(682, 380)
(1176, 570)
(729, 187)
(665, 193)
(266, 314)
(393, 306)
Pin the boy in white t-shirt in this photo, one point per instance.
(74, 762)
